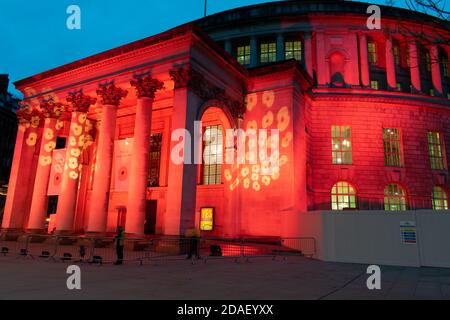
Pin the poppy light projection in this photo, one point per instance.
(258, 171)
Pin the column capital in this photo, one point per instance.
(80, 102)
(51, 109)
(28, 114)
(111, 95)
(146, 86)
(183, 76)
(187, 77)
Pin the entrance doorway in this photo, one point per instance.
(150, 217)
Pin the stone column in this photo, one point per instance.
(38, 213)
(110, 97)
(280, 47)
(436, 69)
(146, 88)
(364, 60)
(21, 176)
(308, 53)
(67, 201)
(182, 188)
(414, 66)
(390, 65)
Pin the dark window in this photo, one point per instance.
(155, 160)
(60, 143)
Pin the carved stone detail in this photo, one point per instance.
(80, 102)
(51, 109)
(146, 86)
(111, 95)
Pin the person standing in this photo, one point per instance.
(193, 237)
(119, 245)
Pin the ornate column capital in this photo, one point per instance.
(182, 76)
(80, 102)
(28, 114)
(51, 109)
(146, 86)
(111, 95)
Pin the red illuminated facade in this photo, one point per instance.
(363, 117)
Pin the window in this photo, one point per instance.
(392, 147)
(428, 61)
(445, 70)
(435, 150)
(212, 155)
(399, 86)
(372, 52)
(243, 54)
(155, 160)
(394, 198)
(396, 53)
(431, 92)
(207, 219)
(293, 50)
(60, 143)
(440, 201)
(341, 145)
(268, 52)
(343, 196)
(374, 84)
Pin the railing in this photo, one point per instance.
(97, 250)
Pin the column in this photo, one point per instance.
(436, 69)
(110, 97)
(21, 176)
(254, 59)
(38, 213)
(390, 65)
(65, 213)
(137, 191)
(414, 66)
(308, 53)
(280, 47)
(182, 188)
(364, 60)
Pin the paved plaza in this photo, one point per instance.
(259, 278)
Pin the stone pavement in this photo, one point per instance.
(260, 278)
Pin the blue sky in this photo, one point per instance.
(34, 37)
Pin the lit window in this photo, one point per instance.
(293, 50)
(268, 52)
(394, 198)
(207, 219)
(212, 155)
(374, 84)
(440, 201)
(243, 55)
(435, 150)
(341, 144)
(396, 53)
(399, 86)
(154, 160)
(343, 196)
(392, 147)
(432, 92)
(372, 52)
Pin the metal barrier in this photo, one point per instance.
(99, 250)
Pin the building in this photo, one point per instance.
(363, 117)
(8, 125)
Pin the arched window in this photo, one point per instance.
(343, 196)
(212, 155)
(439, 199)
(394, 198)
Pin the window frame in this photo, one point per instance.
(246, 56)
(372, 55)
(207, 167)
(401, 200)
(443, 198)
(442, 150)
(336, 194)
(293, 51)
(340, 150)
(271, 54)
(389, 152)
(151, 160)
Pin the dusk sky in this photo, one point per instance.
(34, 37)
